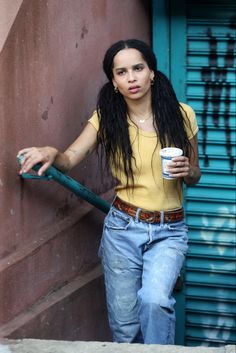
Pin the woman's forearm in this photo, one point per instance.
(193, 176)
(62, 162)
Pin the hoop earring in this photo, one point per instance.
(116, 89)
(152, 82)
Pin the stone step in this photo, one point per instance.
(50, 346)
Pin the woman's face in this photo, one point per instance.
(131, 74)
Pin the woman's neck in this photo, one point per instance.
(140, 113)
(139, 108)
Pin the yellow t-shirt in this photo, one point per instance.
(151, 191)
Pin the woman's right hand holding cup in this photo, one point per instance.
(34, 155)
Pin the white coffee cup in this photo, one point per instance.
(166, 156)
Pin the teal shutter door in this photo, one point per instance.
(202, 33)
(210, 205)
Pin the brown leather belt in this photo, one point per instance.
(149, 216)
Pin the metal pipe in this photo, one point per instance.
(71, 184)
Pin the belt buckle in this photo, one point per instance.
(151, 219)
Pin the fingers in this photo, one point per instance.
(32, 156)
(178, 167)
(182, 159)
(23, 151)
(28, 163)
(44, 168)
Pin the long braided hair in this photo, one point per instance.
(112, 110)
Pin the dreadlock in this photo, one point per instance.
(113, 134)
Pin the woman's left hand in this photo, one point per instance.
(179, 167)
(186, 168)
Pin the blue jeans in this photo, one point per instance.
(141, 263)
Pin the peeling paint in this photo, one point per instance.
(45, 113)
(84, 31)
(12, 212)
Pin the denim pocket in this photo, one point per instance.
(177, 226)
(178, 236)
(117, 220)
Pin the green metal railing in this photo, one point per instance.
(53, 173)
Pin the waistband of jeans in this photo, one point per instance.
(149, 216)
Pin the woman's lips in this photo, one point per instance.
(134, 89)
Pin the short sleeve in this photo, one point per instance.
(94, 120)
(190, 120)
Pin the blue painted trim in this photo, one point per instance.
(178, 80)
(178, 42)
(169, 45)
(161, 34)
(169, 42)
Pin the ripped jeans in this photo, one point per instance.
(141, 263)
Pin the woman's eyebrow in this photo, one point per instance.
(124, 68)
(120, 68)
(139, 64)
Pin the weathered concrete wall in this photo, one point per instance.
(50, 69)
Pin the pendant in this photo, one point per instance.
(142, 121)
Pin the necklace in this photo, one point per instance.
(142, 121)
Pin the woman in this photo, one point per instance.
(144, 240)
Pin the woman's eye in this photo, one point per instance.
(120, 73)
(138, 68)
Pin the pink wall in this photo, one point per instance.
(51, 71)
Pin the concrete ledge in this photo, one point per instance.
(49, 346)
